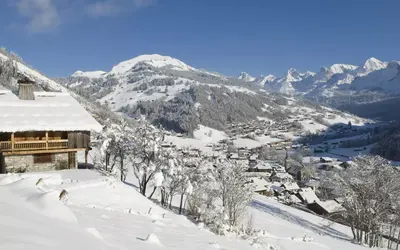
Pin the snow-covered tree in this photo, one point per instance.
(148, 156)
(118, 142)
(234, 190)
(370, 189)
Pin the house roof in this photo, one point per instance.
(291, 186)
(263, 165)
(50, 111)
(330, 206)
(308, 195)
(260, 184)
(293, 198)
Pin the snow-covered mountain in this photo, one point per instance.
(90, 74)
(336, 80)
(246, 77)
(180, 97)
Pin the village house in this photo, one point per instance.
(281, 177)
(42, 131)
(328, 207)
(261, 166)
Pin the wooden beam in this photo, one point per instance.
(32, 152)
(12, 141)
(47, 140)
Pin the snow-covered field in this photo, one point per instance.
(103, 213)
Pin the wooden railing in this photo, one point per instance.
(33, 145)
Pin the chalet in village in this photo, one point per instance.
(42, 131)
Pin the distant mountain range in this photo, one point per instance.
(334, 81)
(179, 97)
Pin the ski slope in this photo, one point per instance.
(103, 213)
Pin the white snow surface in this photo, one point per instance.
(50, 111)
(34, 75)
(89, 74)
(208, 135)
(154, 60)
(107, 214)
(246, 77)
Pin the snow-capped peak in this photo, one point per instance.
(373, 64)
(154, 60)
(89, 74)
(341, 68)
(270, 78)
(246, 77)
(262, 80)
(292, 75)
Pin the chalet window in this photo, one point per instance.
(42, 158)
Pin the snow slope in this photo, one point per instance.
(40, 79)
(89, 74)
(102, 213)
(154, 60)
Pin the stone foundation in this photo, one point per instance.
(25, 163)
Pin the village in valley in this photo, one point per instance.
(284, 159)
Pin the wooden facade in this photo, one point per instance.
(43, 145)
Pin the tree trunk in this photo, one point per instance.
(162, 197)
(154, 190)
(181, 204)
(354, 233)
(107, 160)
(398, 239)
(170, 201)
(390, 235)
(143, 186)
(121, 162)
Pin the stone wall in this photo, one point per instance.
(24, 163)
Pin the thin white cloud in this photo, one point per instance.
(47, 15)
(102, 9)
(41, 15)
(107, 8)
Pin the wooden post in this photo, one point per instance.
(47, 140)
(2, 164)
(86, 158)
(12, 141)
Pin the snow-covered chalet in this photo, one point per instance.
(42, 131)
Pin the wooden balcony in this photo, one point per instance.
(15, 146)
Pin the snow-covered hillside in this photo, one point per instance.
(43, 81)
(99, 212)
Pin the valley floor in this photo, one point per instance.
(103, 213)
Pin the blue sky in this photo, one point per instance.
(59, 37)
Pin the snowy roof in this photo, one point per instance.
(50, 111)
(293, 198)
(291, 186)
(283, 175)
(263, 165)
(308, 195)
(330, 206)
(260, 184)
